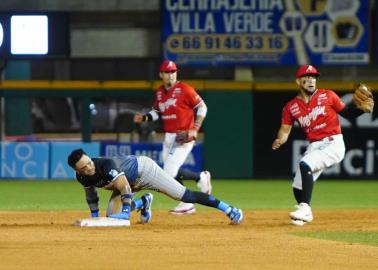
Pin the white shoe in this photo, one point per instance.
(297, 222)
(204, 184)
(183, 209)
(303, 213)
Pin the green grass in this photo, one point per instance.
(367, 238)
(247, 194)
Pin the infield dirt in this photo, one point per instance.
(205, 240)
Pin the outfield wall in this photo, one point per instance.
(48, 160)
(242, 122)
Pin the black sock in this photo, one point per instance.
(199, 197)
(185, 174)
(297, 195)
(307, 182)
(132, 207)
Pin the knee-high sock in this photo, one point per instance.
(307, 182)
(199, 197)
(185, 174)
(297, 195)
(205, 199)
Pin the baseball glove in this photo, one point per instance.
(363, 98)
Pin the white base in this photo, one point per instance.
(102, 222)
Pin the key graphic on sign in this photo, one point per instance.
(293, 23)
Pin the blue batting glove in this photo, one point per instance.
(95, 213)
(125, 214)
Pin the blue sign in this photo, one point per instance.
(59, 169)
(194, 161)
(265, 32)
(24, 160)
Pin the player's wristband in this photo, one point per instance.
(95, 213)
(147, 118)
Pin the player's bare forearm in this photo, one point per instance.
(282, 136)
(198, 122)
(193, 132)
(91, 198)
(197, 125)
(121, 184)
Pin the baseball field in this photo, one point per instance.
(37, 231)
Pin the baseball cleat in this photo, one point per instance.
(183, 209)
(204, 184)
(236, 215)
(145, 212)
(122, 215)
(297, 222)
(303, 212)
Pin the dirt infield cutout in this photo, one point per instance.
(205, 240)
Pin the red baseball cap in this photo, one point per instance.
(168, 66)
(307, 70)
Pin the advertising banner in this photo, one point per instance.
(24, 160)
(194, 161)
(59, 169)
(360, 137)
(288, 32)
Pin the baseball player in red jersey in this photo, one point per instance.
(182, 111)
(316, 111)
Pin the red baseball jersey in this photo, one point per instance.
(176, 106)
(318, 118)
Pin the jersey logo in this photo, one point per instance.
(310, 68)
(322, 125)
(321, 98)
(165, 105)
(176, 91)
(113, 173)
(294, 109)
(170, 116)
(305, 121)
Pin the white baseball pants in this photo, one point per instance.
(174, 155)
(150, 177)
(320, 155)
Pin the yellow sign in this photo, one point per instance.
(312, 7)
(347, 31)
